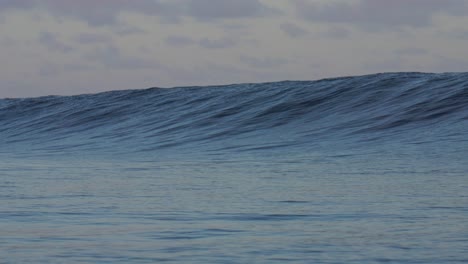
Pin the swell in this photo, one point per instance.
(367, 108)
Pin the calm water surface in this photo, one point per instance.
(309, 209)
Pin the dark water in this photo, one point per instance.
(367, 169)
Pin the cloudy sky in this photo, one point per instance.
(84, 46)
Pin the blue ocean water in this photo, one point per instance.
(365, 169)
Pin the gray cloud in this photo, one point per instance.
(124, 30)
(461, 34)
(91, 38)
(101, 13)
(17, 88)
(47, 69)
(380, 14)
(207, 43)
(8, 4)
(215, 73)
(411, 51)
(179, 41)
(264, 62)
(96, 13)
(52, 42)
(9, 42)
(111, 57)
(446, 64)
(293, 30)
(384, 65)
(220, 9)
(221, 43)
(138, 43)
(74, 67)
(236, 28)
(335, 32)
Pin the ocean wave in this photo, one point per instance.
(388, 106)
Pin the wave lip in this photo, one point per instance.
(242, 116)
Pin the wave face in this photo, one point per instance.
(412, 108)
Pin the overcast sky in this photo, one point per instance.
(84, 46)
